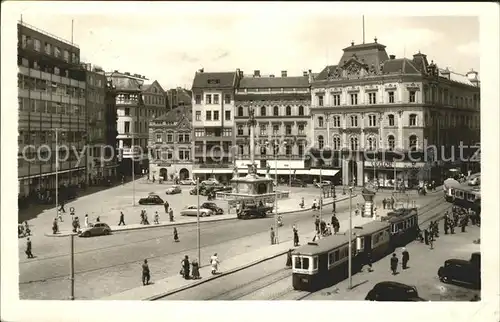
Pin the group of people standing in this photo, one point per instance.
(405, 258)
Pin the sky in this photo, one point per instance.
(171, 43)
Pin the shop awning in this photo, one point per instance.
(210, 171)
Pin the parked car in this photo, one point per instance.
(187, 182)
(210, 182)
(254, 211)
(462, 271)
(193, 211)
(212, 206)
(393, 292)
(323, 183)
(173, 190)
(96, 229)
(298, 183)
(151, 199)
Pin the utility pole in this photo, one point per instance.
(198, 219)
(320, 199)
(350, 238)
(72, 266)
(276, 190)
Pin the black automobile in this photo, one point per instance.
(201, 190)
(212, 206)
(298, 183)
(462, 271)
(152, 199)
(390, 291)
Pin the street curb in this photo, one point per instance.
(324, 204)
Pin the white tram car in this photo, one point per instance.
(463, 195)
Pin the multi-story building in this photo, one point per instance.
(155, 101)
(52, 101)
(110, 115)
(391, 109)
(179, 97)
(213, 123)
(170, 145)
(132, 122)
(281, 109)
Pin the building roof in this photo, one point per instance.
(148, 87)
(175, 115)
(214, 80)
(370, 54)
(455, 77)
(274, 82)
(124, 82)
(400, 65)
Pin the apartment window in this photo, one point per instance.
(127, 111)
(227, 99)
(336, 143)
(412, 97)
(198, 116)
(170, 137)
(240, 129)
(391, 97)
(216, 115)
(208, 99)
(372, 120)
(336, 121)
(184, 155)
(240, 111)
(391, 120)
(240, 149)
(208, 116)
(354, 99)
(263, 150)
(199, 132)
(413, 142)
(354, 121)
(228, 115)
(288, 111)
(276, 111)
(288, 129)
(48, 48)
(262, 111)
(336, 100)
(372, 143)
(288, 149)
(391, 142)
(301, 110)
(413, 120)
(66, 56)
(354, 143)
(57, 52)
(227, 132)
(158, 138)
(216, 98)
(127, 127)
(321, 142)
(301, 129)
(180, 138)
(23, 41)
(320, 100)
(321, 121)
(276, 129)
(263, 129)
(37, 45)
(301, 150)
(372, 98)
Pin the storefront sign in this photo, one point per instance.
(391, 164)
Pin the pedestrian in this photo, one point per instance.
(185, 267)
(27, 228)
(426, 236)
(446, 224)
(146, 222)
(28, 248)
(165, 205)
(463, 223)
(394, 264)
(322, 226)
(176, 235)
(142, 216)
(406, 258)
(98, 219)
(171, 214)
(55, 227)
(59, 216)
(122, 219)
(86, 220)
(214, 262)
(145, 273)
(61, 208)
(295, 236)
(157, 218)
(315, 204)
(335, 224)
(328, 229)
(384, 202)
(72, 213)
(431, 242)
(369, 261)
(316, 223)
(289, 259)
(196, 269)
(273, 237)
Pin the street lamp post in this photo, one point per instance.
(72, 266)
(133, 167)
(320, 199)
(198, 239)
(350, 238)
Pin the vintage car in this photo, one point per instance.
(151, 199)
(187, 182)
(393, 292)
(173, 190)
(193, 211)
(254, 211)
(210, 182)
(297, 183)
(96, 229)
(323, 183)
(213, 206)
(462, 271)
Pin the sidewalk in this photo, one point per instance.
(287, 206)
(176, 283)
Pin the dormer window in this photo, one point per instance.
(213, 81)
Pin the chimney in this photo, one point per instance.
(256, 73)
(115, 71)
(392, 57)
(201, 70)
(283, 73)
(127, 73)
(304, 73)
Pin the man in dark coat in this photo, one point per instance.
(28, 248)
(369, 261)
(145, 273)
(406, 258)
(316, 224)
(185, 266)
(273, 236)
(394, 264)
(426, 236)
(384, 202)
(446, 224)
(166, 205)
(289, 259)
(335, 224)
(295, 236)
(122, 219)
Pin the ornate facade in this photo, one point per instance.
(373, 102)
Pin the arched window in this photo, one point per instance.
(288, 111)
(263, 150)
(413, 142)
(354, 143)
(391, 119)
(372, 143)
(321, 121)
(263, 111)
(321, 142)
(391, 142)
(336, 143)
(301, 110)
(240, 110)
(276, 111)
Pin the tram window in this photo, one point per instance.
(315, 262)
(298, 262)
(376, 239)
(331, 258)
(305, 263)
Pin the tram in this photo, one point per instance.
(464, 194)
(319, 264)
